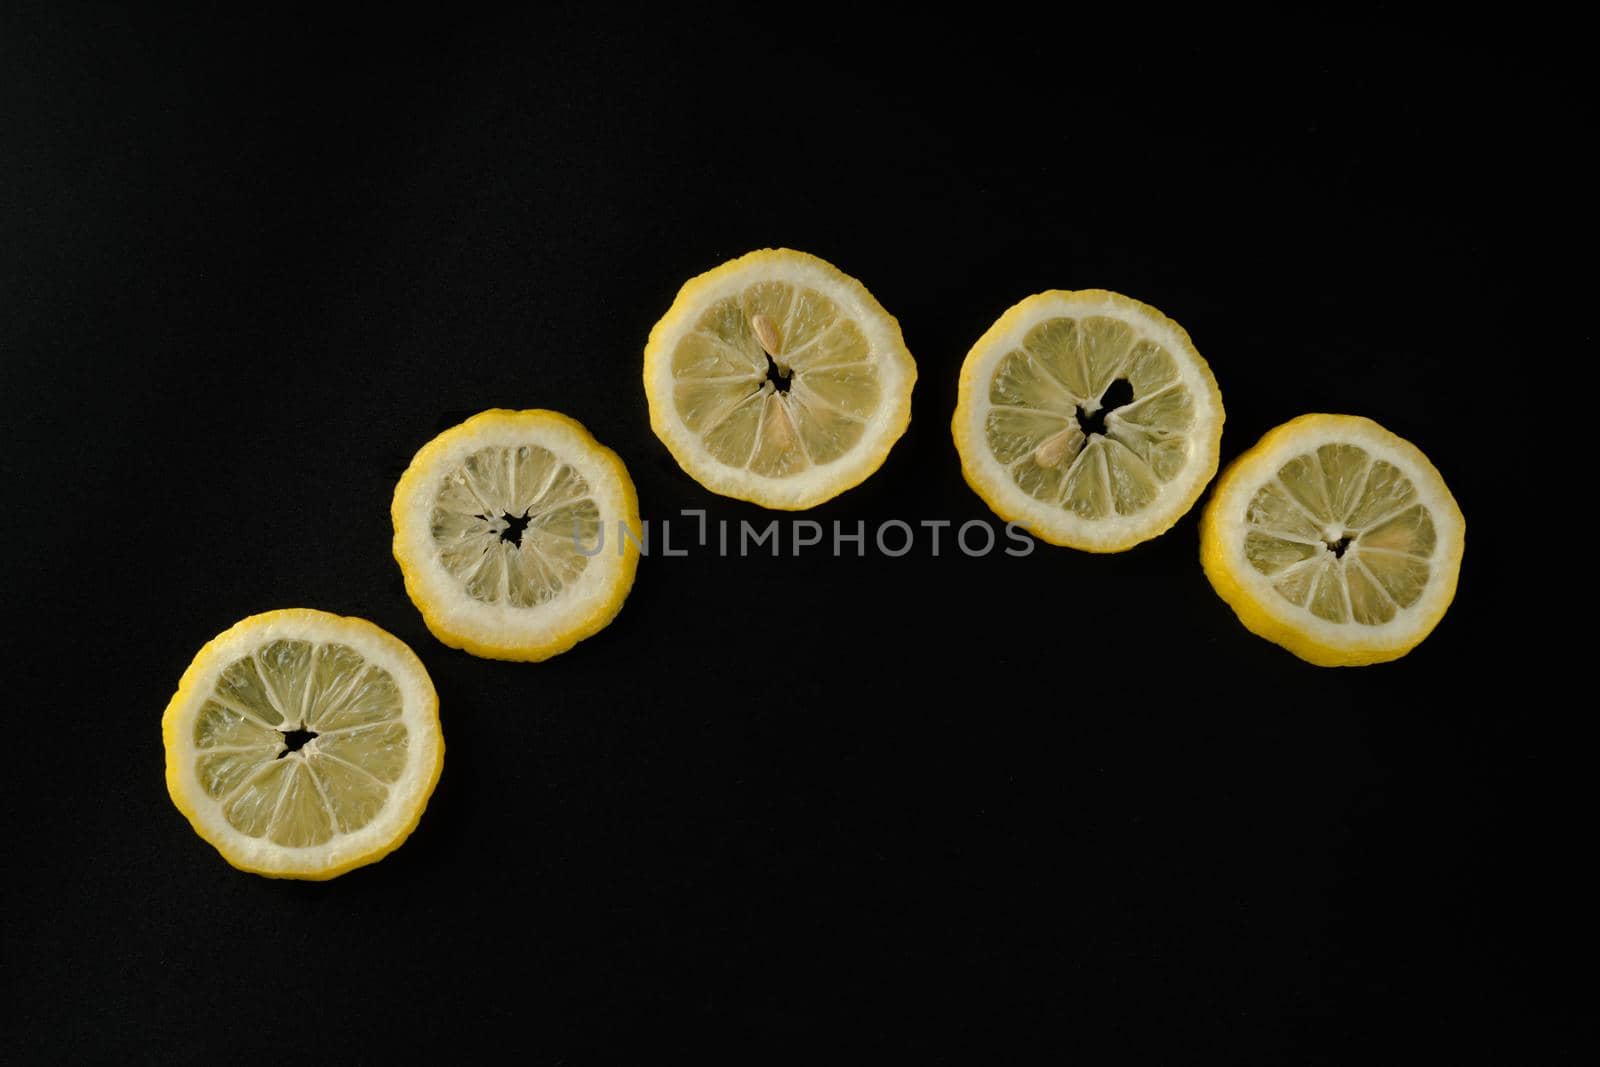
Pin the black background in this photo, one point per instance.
(938, 804)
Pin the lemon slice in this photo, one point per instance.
(517, 534)
(778, 379)
(1335, 539)
(302, 744)
(1088, 418)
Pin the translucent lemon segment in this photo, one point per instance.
(223, 772)
(355, 795)
(378, 749)
(302, 818)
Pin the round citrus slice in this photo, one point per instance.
(1335, 539)
(517, 534)
(1088, 418)
(302, 744)
(778, 379)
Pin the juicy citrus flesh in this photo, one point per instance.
(1336, 539)
(357, 784)
(502, 490)
(334, 784)
(1043, 370)
(1339, 493)
(1065, 364)
(723, 392)
(776, 378)
(517, 533)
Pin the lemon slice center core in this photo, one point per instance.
(295, 740)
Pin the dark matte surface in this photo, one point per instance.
(929, 803)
